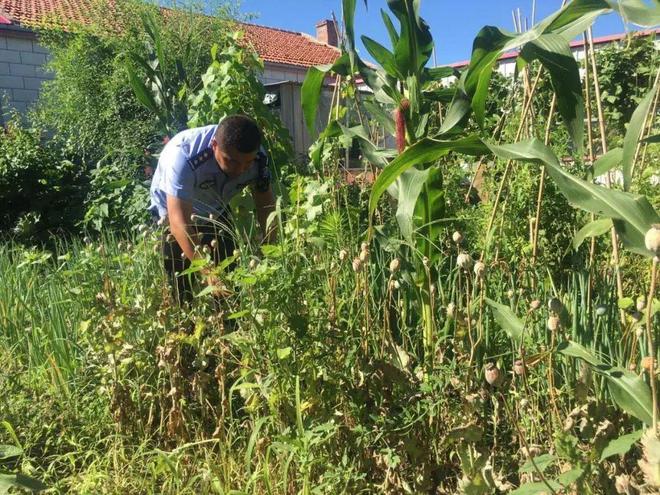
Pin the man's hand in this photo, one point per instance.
(179, 212)
(265, 203)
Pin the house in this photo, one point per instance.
(287, 56)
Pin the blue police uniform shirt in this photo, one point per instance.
(188, 170)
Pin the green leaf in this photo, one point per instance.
(507, 319)
(633, 135)
(391, 31)
(491, 42)
(573, 349)
(608, 161)
(143, 95)
(621, 445)
(9, 452)
(638, 12)
(459, 108)
(625, 303)
(542, 462)
(536, 488)
(592, 229)
(406, 191)
(652, 139)
(284, 353)
(310, 96)
(415, 45)
(632, 214)
(310, 93)
(628, 390)
(383, 56)
(571, 476)
(554, 53)
(425, 151)
(377, 112)
(21, 481)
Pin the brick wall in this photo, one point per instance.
(21, 71)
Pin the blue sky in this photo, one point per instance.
(453, 23)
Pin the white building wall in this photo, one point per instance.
(22, 60)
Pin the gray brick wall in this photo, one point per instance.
(21, 72)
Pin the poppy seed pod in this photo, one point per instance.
(395, 264)
(464, 260)
(553, 323)
(236, 253)
(343, 254)
(479, 269)
(425, 261)
(535, 304)
(652, 239)
(457, 237)
(647, 363)
(364, 246)
(254, 262)
(451, 309)
(510, 293)
(394, 284)
(636, 316)
(519, 367)
(214, 243)
(554, 305)
(601, 310)
(364, 255)
(641, 304)
(357, 264)
(492, 375)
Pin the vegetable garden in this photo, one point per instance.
(482, 318)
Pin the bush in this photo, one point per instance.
(39, 188)
(91, 109)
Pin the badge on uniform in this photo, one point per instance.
(200, 158)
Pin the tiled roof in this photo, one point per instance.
(288, 47)
(573, 44)
(272, 45)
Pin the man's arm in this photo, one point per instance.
(179, 212)
(265, 204)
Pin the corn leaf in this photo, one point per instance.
(425, 151)
(632, 214)
(507, 319)
(553, 51)
(628, 390)
(621, 445)
(592, 229)
(608, 161)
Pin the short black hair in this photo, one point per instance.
(240, 132)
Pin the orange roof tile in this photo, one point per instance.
(288, 47)
(272, 44)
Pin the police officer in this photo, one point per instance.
(198, 173)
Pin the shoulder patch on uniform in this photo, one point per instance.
(200, 158)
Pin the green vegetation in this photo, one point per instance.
(475, 332)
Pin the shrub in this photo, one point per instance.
(39, 187)
(91, 109)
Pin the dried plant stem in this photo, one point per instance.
(651, 342)
(590, 148)
(648, 124)
(521, 435)
(539, 199)
(507, 168)
(608, 180)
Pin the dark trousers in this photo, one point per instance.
(203, 235)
